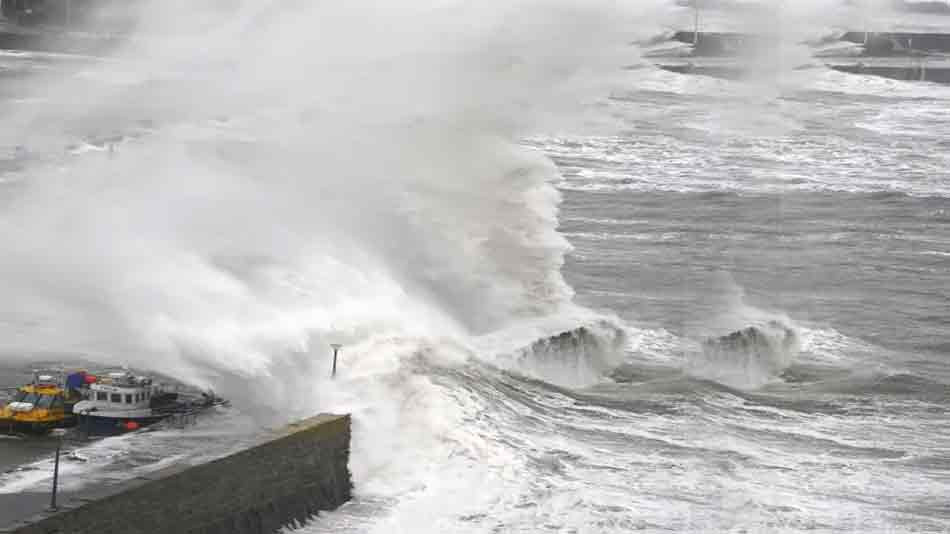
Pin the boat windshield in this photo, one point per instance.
(28, 397)
(20, 395)
(45, 401)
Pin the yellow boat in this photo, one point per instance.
(44, 404)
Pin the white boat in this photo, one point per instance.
(122, 402)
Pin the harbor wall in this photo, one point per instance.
(911, 71)
(14, 38)
(288, 477)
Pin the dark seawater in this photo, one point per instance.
(821, 200)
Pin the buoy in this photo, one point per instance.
(131, 425)
(90, 379)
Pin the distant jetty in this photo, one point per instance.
(83, 27)
(903, 56)
(104, 15)
(97, 27)
(55, 40)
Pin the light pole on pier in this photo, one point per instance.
(59, 447)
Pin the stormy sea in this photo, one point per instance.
(575, 292)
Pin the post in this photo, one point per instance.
(695, 22)
(336, 350)
(59, 446)
(867, 25)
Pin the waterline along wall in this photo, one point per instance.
(288, 477)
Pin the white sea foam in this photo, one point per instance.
(377, 191)
(325, 173)
(743, 346)
(372, 193)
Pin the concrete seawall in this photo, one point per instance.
(288, 476)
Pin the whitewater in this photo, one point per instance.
(529, 245)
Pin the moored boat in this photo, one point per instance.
(46, 403)
(121, 402)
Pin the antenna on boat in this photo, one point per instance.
(336, 350)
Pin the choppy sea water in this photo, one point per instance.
(828, 204)
(819, 199)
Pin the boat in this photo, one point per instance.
(121, 402)
(46, 403)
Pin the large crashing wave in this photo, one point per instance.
(300, 173)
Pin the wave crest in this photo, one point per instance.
(747, 358)
(574, 356)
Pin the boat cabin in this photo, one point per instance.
(29, 397)
(118, 392)
(45, 403)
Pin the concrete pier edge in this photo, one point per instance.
(287, 477)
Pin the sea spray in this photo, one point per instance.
(279, 177)
(747, 358)
(284, 176)
(740, 344)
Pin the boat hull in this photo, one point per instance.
(39, 428)
(16, 425)
(113, 426)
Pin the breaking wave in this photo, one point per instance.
(743, 346)
(320, 173)
(747, 358)
(577, 357)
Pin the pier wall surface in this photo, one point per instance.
(287, 477)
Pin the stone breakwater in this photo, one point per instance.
(289, 476)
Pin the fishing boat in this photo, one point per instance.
(46, 403)
(121, 402)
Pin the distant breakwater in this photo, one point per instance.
(56, 41)
(915, 57)
(289, 476)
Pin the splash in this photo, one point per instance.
(282, 176)
(743, 346)
(580, 355)
(748, 358)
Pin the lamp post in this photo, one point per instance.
(336, 350)
(59, 446)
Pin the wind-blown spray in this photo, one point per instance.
(282, 176)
